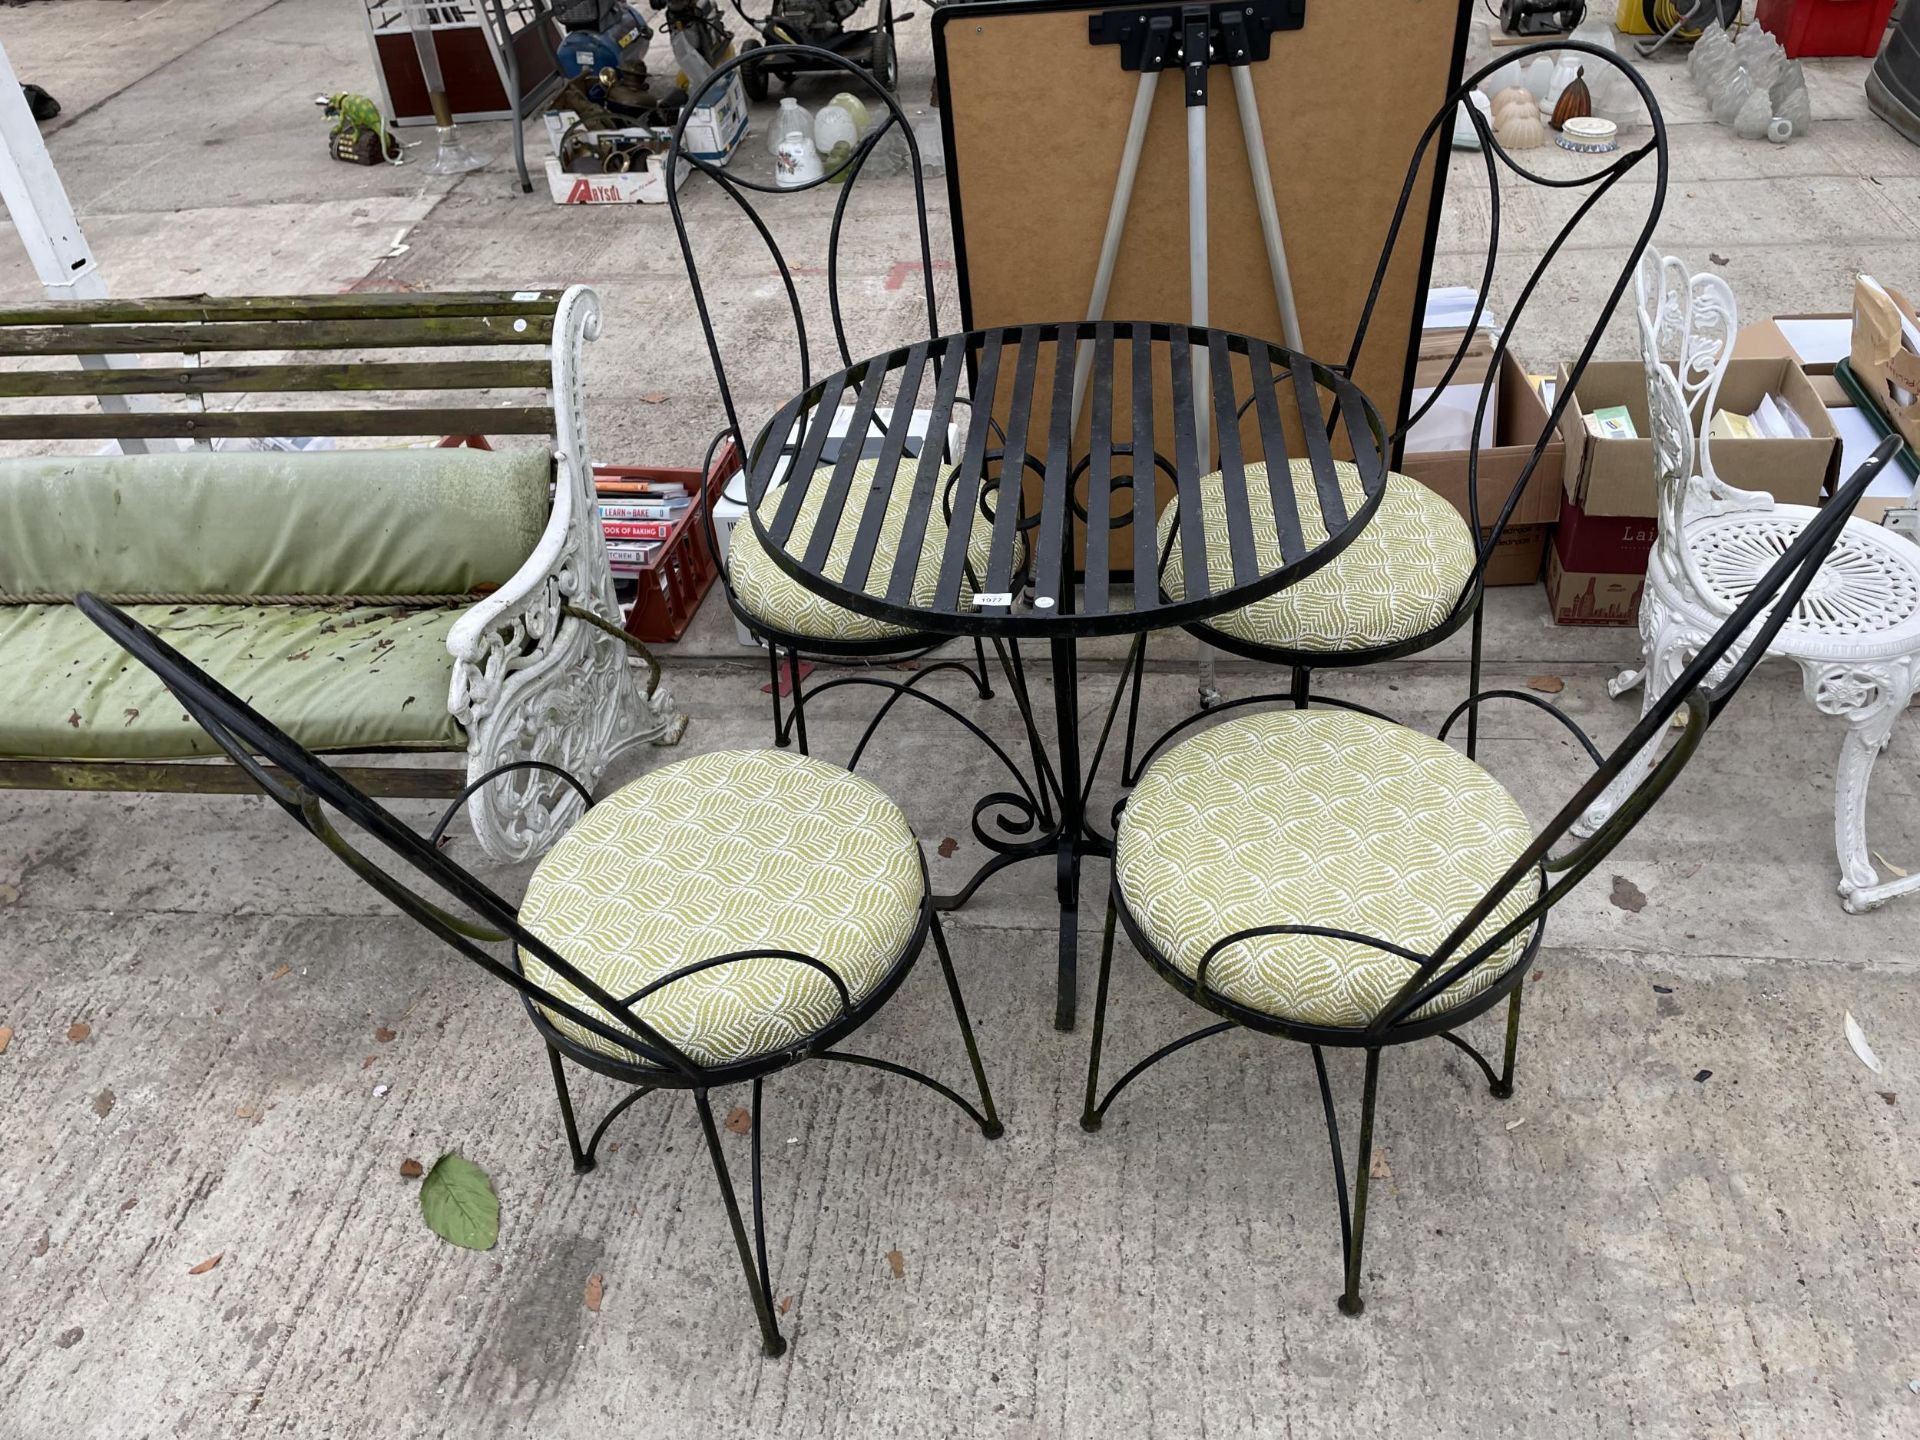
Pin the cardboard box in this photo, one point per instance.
(1581, 598)
(1813, 340)
(1522, 416)
(1616, 477)
(1597, 567)
(1516, 559)
(1816, 342)
(634, 187)
(1881, 362)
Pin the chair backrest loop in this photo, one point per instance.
(890, 123)
(1487, 528)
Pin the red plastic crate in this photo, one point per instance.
(1827, 27)
(672, 585)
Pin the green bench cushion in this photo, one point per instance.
(341, 522)
(361, 679)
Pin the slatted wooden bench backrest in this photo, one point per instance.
(482, 359)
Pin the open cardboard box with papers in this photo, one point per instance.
(1606, 528)
(1522, 419)
(1616, 476)
(1820, 342)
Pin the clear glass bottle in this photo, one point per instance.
(790, 141)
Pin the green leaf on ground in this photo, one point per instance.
(458, 1203)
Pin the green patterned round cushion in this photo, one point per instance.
(769, 593)
(1309, 817)
(1399, 578)
(735, 850)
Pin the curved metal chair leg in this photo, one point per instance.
(991, 1127)
(1473, 684)
(582, 1159)
(759, 1203)
(983, 1115)
(1137, 665)
(773, 688)
(584, 1156)
(771, 1341)
(1095, 1113)
(1353, 1221)
(1090, 1118)
(799, 701)
(1502, 1089)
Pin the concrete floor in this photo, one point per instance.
(1700, 1215)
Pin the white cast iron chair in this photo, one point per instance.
(1856, 632)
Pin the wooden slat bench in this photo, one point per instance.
(417, 599)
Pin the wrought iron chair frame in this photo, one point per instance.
(889, 649)
(1467, 608)
(1702, 689)
(306, 788)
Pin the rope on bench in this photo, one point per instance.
(339, 602)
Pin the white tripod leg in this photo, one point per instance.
(1116, 226)
(1256, 140)
(1197, 273)
(1197, 303)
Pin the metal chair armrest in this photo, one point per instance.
(1324, 932)
(653, 987)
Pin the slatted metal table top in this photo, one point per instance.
(870, 530)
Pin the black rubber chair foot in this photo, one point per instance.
(1092, 1123)
(1351, 1305)
(1501, 1089)
(776, 1347)
(993, 1130)
(581, 1167)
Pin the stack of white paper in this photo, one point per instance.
(1450, 307)
(1819, 341)
(1858, 439)
(1775, 419)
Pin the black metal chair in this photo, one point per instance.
(1416, 575)
(775, 608)
(1296, 832)
(713, 922)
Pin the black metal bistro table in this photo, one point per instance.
(1300, 411)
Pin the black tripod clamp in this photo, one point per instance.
(1195, 37)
